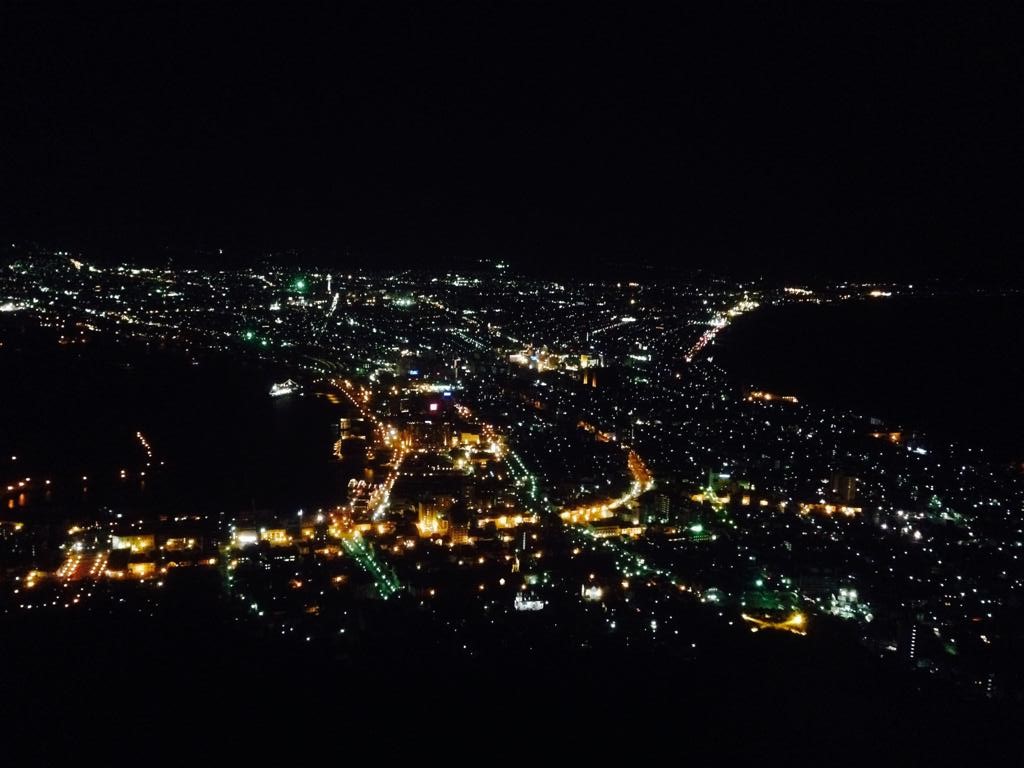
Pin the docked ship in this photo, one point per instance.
(284, 388)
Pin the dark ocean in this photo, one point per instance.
(68, 412)
(952, 367)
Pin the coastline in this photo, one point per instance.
(942, 365)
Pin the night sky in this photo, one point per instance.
(828, 139)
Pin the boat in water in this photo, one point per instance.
(284, 388)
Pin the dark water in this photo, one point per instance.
(951, 366)
(69, 412)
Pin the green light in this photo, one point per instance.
(249, 335)
(697, 528)
(300, 284)
(759, 583)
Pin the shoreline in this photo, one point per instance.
(919, 362)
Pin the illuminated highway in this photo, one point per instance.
(383, 577)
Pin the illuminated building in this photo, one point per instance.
(135, 542)
(276, 537)
(432, 516)
(245, 537)
(141, 570)
(524, 602)
(601, 529)
(460, 519)
(507, 521)
(178, 544)
(807, 508)
(769, 397)
(591, 593)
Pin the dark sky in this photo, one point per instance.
(861, 138)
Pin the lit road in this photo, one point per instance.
(383, 577)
